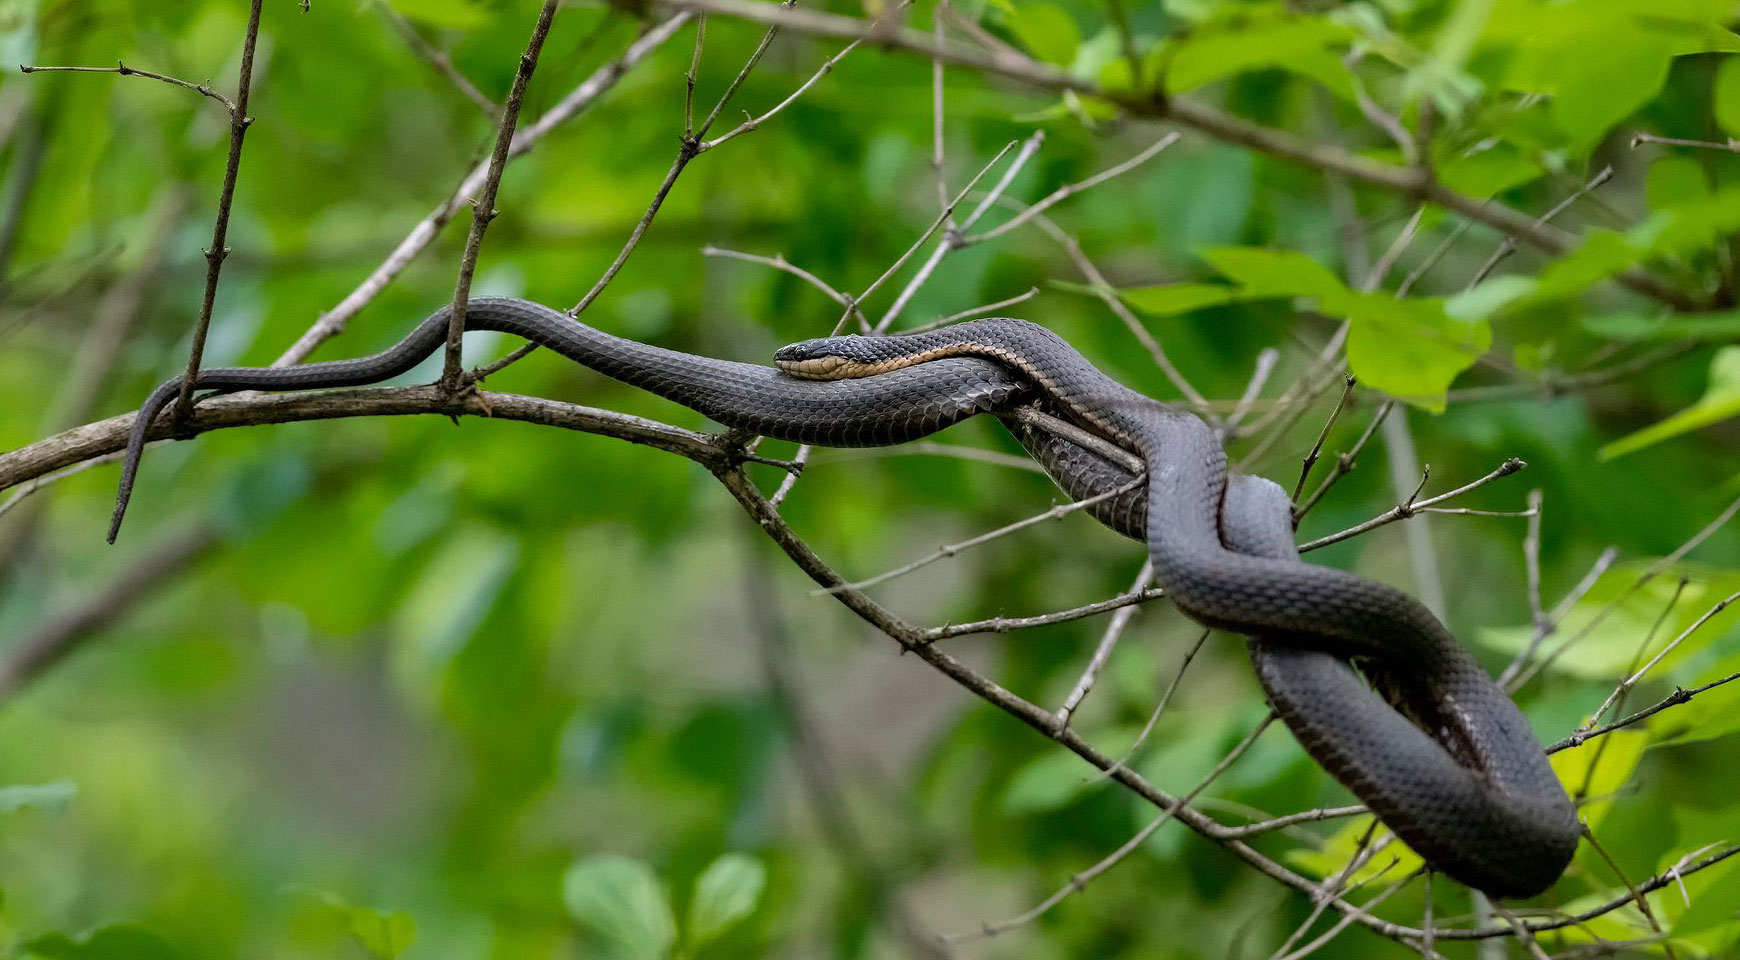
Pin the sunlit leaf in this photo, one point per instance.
(1715, 900)
(1721, 400)
(1046, 30)
(385, 934)
(1397, 859)
(621, 900)
(1617, 623)
(1410, 349)
(1599, 772)
(1175, 298)
(1260, 37)
(725, 893)
(1273, 273)
(1640, 326)
(1047, 782)
(1676, 181)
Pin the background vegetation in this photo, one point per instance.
(388, 686)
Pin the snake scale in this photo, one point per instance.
(1453, 768)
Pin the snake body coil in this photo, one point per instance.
(1474, 795)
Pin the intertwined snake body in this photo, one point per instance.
(1468, 787)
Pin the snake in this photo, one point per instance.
(1425, 738)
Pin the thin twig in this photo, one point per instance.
(57, 639)
(1639, 139)
(949, 550)
(1679, 696)
(25, 490)
(951, 238)
(1637, 897)
(938, 158)
(1412, 506)
(215, 254)
(1165, 700)
(436, 58)
(779, 262)
(1317, 447)
(1102, 653)
(754, 122)
(1550, 623)
(1010, 624)
(1654, 570)
(1267, 358)
(122, 69)
(1108, 295)
(1079, 882)
(690, 77)
(601, 81)
(982, 310)
(1508, 246)
(1068, 190)
(483, 206)
(1631, 681)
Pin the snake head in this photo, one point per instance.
(828, 358)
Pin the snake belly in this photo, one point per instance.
(1475, 797)
(1460, 777)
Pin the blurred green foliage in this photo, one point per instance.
(496, 691)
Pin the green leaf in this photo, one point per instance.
(1171, 299)
(1048, 782)
(49, 797)
(1410, 349)
(117, 942)
(1599, 773)
(1273, 273)
(1489, 298)
(384, 934)
(1342, 846)
(621, 900)
(1552, 46)
(1715, 902)
(1676, 181)
(1721, 400)
(1639, 326)
(1443, 78)
(1728, 95)
(1047, 31)
(1489, 168)
(454, 592)
(1614, 618)
(726, 892)
(1602, 254)
(1261, 38)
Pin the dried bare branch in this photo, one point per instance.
(1412, 506)
(215, 254)
(483, 207)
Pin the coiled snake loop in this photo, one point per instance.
(1465, 784)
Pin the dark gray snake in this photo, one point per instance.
(1457, 773)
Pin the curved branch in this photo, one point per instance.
(108, 436)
